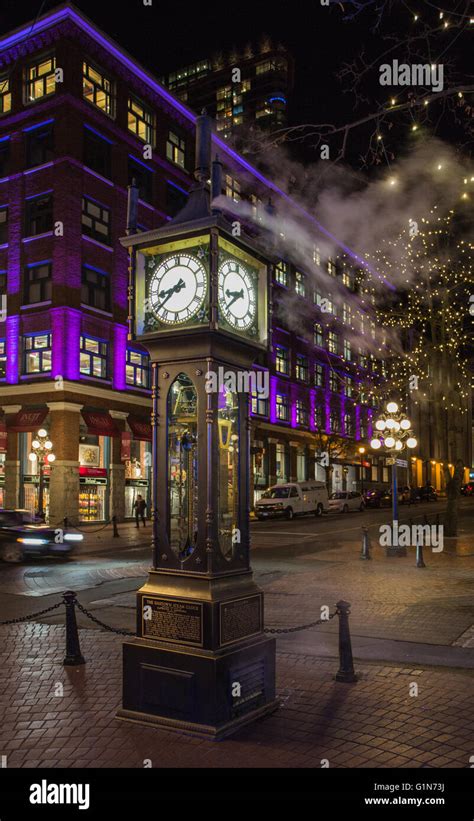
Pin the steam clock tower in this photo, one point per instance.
(201, 662)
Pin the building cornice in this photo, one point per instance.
(81, 390)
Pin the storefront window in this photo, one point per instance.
(281, 473)
(182, 466)
(93, 470)
(137, 475)
(228, 515)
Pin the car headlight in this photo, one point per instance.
(73, 537)
(33, 541)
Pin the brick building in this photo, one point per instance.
(79, 119)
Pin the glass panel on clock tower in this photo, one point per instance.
(228, 506)
(182, 466)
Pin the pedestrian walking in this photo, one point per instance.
(140, 507)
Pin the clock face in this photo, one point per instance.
(177, 288)
(237, 295)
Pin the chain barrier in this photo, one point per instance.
(81, 530)
(302, 627)
(101, 623)
(32, 616)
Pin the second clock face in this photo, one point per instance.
(237, 295)
(177, 288)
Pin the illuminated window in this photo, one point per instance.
(93, 357)
(37, 353)
(318, 417)
(348, 424)
(347, 278)
(333, 382)
(282, 408)
(98, 89)
(282, 362)
(245, 85)
(334, 422)
(176, 149)
(302, 367)
(319, 376)
(346, 314)
(259, 405)
(138, 369)
(331, 267)
(141, 121)
(232, 188)
(302, 416)
(333, 342)
(40, 79)
(5, 95)
(300, 283)
(348, 386)
(347, 350)
(3, 359)
(316, 255)
(318, 335)
(281, 273)
(263, 110)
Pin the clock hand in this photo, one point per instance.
(169, 293)
(236, 295)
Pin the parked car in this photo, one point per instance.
(468, 489)
(427, 493)
(22, 537)
(293, 499)
(342, 501)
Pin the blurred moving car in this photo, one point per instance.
(468, 489)
(342, 501)
(22, 537)
(373, 497)
(293, 499)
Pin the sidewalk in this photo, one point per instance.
(372, 723)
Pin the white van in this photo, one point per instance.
(292, 499)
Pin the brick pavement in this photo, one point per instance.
(373, 723)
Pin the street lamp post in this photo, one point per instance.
(362, 451)
(394, 434)
(41, 447)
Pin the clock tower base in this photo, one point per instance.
(216, 674)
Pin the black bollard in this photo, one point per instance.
(74, 656)
(114, 522)
(65, 523)
(419, 556)
(346, 671)
(365, 552)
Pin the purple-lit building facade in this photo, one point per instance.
(79, 119)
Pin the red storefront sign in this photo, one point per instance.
(99, 424)
(126, 447)
(29, 420)
(98, 473)
(141, 428)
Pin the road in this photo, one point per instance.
(301, 565)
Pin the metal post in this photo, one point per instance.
(346, 671)
(419, 556)
(114, 523)
(41, 489)
(361, 474)
(74, 656)
(65, 523)
(394, 492)
(365, 553)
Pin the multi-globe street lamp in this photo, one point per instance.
(42, 449)
(394, 434)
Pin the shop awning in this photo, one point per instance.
(99, 423)
(28, 420)
(140, 428)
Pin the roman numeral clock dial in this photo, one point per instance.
(177, 289)
(237, 295)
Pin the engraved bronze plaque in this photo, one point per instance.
(240, 619)
(174, 620)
